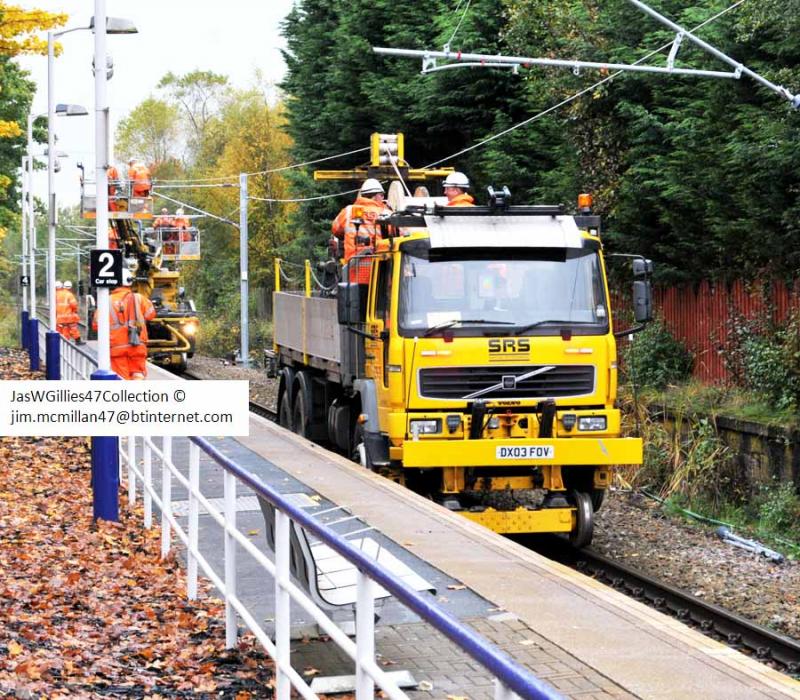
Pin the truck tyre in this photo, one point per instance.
(301, 420)
(285, 411)
(581, 536)
(598, 496)
(303, 406)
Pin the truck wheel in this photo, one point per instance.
(285, 412)
(301, 423)
(581, 536)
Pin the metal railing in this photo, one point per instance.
(510, 678)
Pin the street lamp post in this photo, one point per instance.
(24, 314)
(33, 323)
(52, 338)
(105, 450)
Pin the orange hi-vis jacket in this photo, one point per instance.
(66, 306)
(128, 310)
(164, 221)
(139, 175)
(462, 200)
(113, 238)
(343, 227)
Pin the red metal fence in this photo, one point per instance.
(700, 315)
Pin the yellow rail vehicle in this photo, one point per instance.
(478, 366)
(148, 252)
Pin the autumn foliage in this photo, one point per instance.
(89, 609)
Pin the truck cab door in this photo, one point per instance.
(378, 326)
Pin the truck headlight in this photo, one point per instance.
(592, 423)
(426, 427)
(190, 328)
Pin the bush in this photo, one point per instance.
(779, 510)
(655, 358)
(766, 360)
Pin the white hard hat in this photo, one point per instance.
(371, 186)
(179, 212)
(127, 277)
(457, 179)
(67, 284)
(59, 284)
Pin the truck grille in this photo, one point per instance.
(460, 382)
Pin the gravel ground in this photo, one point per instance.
(263, 390)
(633, 529)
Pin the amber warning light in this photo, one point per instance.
(584, 202)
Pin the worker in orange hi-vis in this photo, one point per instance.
(183, 224)
(356, 225)
(455, 188)
(67, 311)
(113, 238)
(163, 220)
(113, 187)
(139, 175)
(129, 313)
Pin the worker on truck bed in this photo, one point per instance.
(113, 187)
(455, 189)
(357, 226)
(129, 313)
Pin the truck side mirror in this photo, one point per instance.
(642, 300)
(348, 307)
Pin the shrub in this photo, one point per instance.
(779, 510)
(655, 358)
(766, 360)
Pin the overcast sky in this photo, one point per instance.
(234, 37)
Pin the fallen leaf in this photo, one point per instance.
(425, 685)
(311, 671)
(14, 648)
(253, 532)
(457, 587)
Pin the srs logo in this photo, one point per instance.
(506, 346)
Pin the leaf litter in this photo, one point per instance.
(90, 609)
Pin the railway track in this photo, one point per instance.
(256, 408)
(727, 627)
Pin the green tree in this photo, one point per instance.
(151, 132)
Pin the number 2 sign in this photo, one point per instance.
(105, 268)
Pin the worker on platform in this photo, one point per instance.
(113, 187)
(113, 238)
(356, 225)
(455, 188)
(67, 312)
(139, 175)
(129, 313)
(183, 224)
(164, 220)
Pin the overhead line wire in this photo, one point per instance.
(260, 172)
(547, 111)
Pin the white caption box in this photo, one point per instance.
(108, 408)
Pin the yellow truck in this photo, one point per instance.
(477, 367)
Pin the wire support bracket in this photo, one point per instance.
(459, 59)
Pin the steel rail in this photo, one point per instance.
(733, 629)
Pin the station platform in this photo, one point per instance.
(584, 638)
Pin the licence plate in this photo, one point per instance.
(525, 452)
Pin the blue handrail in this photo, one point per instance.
(496, 661)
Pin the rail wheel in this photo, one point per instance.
(581, 536)
(598, 496)
(285, 411)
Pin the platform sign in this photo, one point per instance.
(24, 281)
(105, 268)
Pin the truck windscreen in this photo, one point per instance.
(536, 291)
